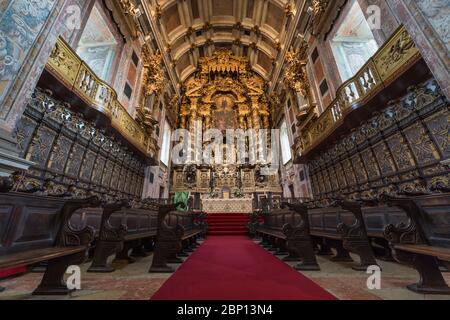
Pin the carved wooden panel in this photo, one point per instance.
(330, 221)
(384, 158)
(98, 170)
(346, 217)
(75, 160)
(421, 144)
(439, 125)
(341, 176)
(360, 172)
(24, 134)
(87, 166)
(370, 164)
(41, 146)
(400, 151)
(107, 173)
(326, 180)
(6, 212)
(404, 142)
(60, 154)
(348, 171)
(74, 154)
(333, 179)
(36, 225)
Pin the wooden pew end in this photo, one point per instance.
(161, 269)
(307, 267)
(418, 288)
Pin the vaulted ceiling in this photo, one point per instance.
(190, 29)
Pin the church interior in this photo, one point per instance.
(224, 150)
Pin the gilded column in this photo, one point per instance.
(242, 124)
(255, 113)
(266, 123)
(249, 122)
(193, 128)
(208, 116)
(183, 121)
(194, 114)
(208, 122)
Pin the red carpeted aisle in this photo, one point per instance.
(4, 273)
(235, 268)
(227, 224)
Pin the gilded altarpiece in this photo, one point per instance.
(224, 94)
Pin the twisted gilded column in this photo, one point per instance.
(255, 113)
(266, 123)
(208, 122)
(183, 121)
(242, 124)
(194, 114)
(206, 112)
(193, 129)
(249, 122)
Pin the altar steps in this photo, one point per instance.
(227, 224)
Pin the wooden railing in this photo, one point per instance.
(76, 75)
(385, 65)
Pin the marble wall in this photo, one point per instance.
(427, 21)
(389, 22)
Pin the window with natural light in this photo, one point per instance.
(354, 43)
(285, 144)
(165, 149)
(97, 45)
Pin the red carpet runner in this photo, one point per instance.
(235, 268)
(227, 224)
(4, 273)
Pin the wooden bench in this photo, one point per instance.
(287, 229)
(376, 217)
(342, 226)
(423, 242)
(192, 230)
(256, 219)
(36, 229)
(177, 234)
(119, 229)
(141, 224)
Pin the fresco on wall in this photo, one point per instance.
(21, 22)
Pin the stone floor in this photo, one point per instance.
(133, 282)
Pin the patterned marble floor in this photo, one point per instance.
(133, 282)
